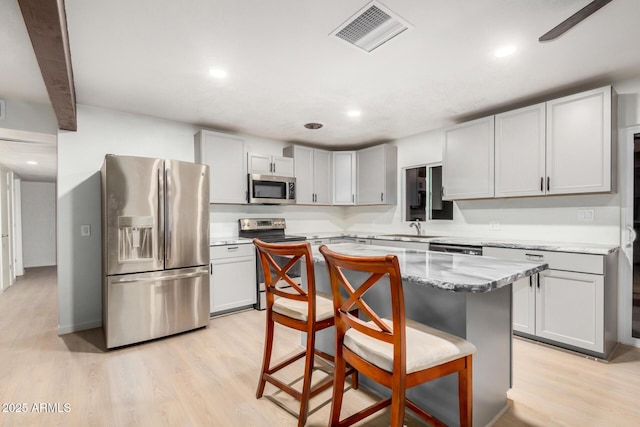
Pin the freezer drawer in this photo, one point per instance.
(144, 306)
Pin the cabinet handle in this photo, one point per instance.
(531, 281)
(274, 168)
(534, 257)
(541, 184)
(353, 198)
(382, 197)
(548, 183)
(232, 248)
(538, 280)
(211, 269)
(442, 192)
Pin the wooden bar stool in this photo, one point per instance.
(397, 353)
(296, 308)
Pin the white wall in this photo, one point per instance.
(29, 116)
(38, 223)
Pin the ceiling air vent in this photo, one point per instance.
(371, 27)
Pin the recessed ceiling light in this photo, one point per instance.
(32, 162)
(218, 73)
(504, 51)
(354, 113)
(313, 126)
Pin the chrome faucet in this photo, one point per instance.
(417, 225)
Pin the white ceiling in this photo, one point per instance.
(152, 57)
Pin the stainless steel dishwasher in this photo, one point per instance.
(456, 248)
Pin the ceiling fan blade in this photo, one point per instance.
(574, 19)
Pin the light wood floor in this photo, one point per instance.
(208, 377)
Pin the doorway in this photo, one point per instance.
(635, 291)
(629, 283)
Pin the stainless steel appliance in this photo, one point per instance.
(270, 230)
(272, 189)
(456, 248)
(155, 257)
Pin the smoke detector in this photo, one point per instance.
(371, 27)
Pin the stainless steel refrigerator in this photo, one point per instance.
(155, 237)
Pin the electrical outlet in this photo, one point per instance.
(586, 215)
(85, 230)
(494, 225)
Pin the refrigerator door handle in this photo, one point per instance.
(160, 218)
(167, 205)
(160, 278)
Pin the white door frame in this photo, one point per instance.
(17, 227)
(625, 284)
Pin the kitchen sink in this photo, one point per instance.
(413, 236)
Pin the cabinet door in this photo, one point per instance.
(370, 164)
(520, 152)
(322, 176)
(282, 166)
(579, 143)
(524, 305)
(570, 309)
(259, 163)
(303, 171)
(344, 176)
(227, 168)
(233, 284)
(468, 160)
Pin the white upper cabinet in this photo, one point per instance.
(269, 165)
(377, 175)
(344, 177)
(579, 143)
(312, 169)
(520, 152)
(227, 168)
(468, 160)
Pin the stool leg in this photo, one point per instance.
(465, 393)
(398, 394)
(338, 385)
(306, 383)
(266, 361)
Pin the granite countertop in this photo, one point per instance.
(446, 271)
(583, 248)
(228, 240)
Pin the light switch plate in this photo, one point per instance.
(494, 225)
(85, 230)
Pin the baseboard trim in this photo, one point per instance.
(67, 329)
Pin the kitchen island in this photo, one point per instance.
(468, 296)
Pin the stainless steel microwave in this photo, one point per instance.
(272, 190)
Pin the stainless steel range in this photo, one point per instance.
(270, 230)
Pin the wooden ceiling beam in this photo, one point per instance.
(46, 23)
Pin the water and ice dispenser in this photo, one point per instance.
(135, 238)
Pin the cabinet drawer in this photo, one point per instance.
(584, 263)
(231, 251)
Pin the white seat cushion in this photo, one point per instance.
(298, 309)
(426, 347)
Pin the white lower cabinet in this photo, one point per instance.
(570, 309)
(524, 305)
(233, 278)
(573, 304)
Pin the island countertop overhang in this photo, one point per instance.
(446, 271)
